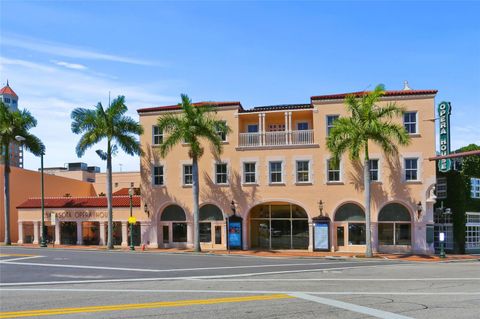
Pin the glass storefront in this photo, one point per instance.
(350, 225)
(173, 221)
(394, 225)
(278, 226)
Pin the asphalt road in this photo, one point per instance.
(82, 284)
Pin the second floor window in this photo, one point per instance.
(373, 165)
(275, 172)
(475, 190)
(249, 173)
(158, 175)
(333, 171)
(410, 122)
(411, 169)
(302, 126)
(330, 121)
(221, 173)
(441, 188)
(223, 135)
(187, 175)
(303, 171)
(157, 136)
(252, 128)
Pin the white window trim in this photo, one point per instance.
(215, 172)
(473, 183)
(379, 170)
(419, 169)
(226, 135)
(326, 122)
(417, 131)
(153, 136)
(243, 162)
(183, 175)
(282, 172)
(340, 167)
(153, 176)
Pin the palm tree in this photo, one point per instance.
(191, 126)
(15, 124)
(111, 124)
(368, 122)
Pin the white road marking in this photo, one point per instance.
(174, 270)
(78, 276)
(5, 261)
(349, 279)
(349, 306)
(333, 293)
(176, 278)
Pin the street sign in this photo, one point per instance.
(132, 220)
(53, 219)
(444, 110)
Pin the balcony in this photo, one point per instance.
(282, 138)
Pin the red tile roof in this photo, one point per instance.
(80, 202)
(8, 90)
(124, 191)
(177, 107)
(387, 93)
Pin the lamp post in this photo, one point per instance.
(130, 194)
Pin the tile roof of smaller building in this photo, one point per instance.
(80, 202)
(124, 191)
(361, 93)
(8, 90)
(177, 106)
(279, 107)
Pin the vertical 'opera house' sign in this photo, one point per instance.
(444, 110)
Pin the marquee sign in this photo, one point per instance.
(444, 110)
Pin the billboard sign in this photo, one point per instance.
(444, 110)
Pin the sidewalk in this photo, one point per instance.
(275, 253)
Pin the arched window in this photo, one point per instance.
(210, 212)
(176, 215)
(394, 225)
(350, 228)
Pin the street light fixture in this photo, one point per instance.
(130, 194)
(419, 210)
(233, 207)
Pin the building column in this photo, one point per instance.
(102, 234)
(263, 129)
(57, 233)
(290, 131)
(144, 233)
(36, 237)
(189, 234)
(374, 233)
(79, 233)
(244, 234)
(310, 236)
(260, 130)
(124, 234)
(20, 233)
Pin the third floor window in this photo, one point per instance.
(373, 165)
(410, 122)
(157, 136)
(275, 172)
(187, 175)
(221, 174)
(249, 172)
(330, 121)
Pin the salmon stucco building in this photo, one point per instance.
(275, 175)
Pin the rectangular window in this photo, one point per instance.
(166, 237)
(275, 172)
(252, 128)
(221, 173)
(6, 99)
(410, 122)
(356, 234)
(302, 126)
(249, 172)
(187, 175)
(330, 121)
(157, 136)
(303, 171)
(218, 235)
(179, 232)
(333, 171)
(373, 165)
(205, 232)
(441, 188)
(158, 175)
(411, 169)
(475, 187)
(223, 135)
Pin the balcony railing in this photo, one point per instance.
(304, 137)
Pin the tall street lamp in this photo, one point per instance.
(131, 220)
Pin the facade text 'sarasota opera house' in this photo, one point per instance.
(275, 168)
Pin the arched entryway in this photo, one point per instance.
(173, 226)
(350, 231)
(394, 227)
(278, 226)
(212, 226)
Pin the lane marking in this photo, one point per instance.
(350, 307)
(175, 270)
(202, 291)
(350, 279)
(6, 261)
(16, 255)
(122, 307)
(178, 278)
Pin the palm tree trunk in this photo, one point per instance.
(6, 194)
(196, 225)
(366, 180)
(109, 197)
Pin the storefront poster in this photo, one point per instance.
(235, 234)
(321, 236)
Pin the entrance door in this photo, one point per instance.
(340, 236)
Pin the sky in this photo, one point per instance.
(59, 55)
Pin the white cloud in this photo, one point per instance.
(51, 92)
(73, 66)
(57, 49)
